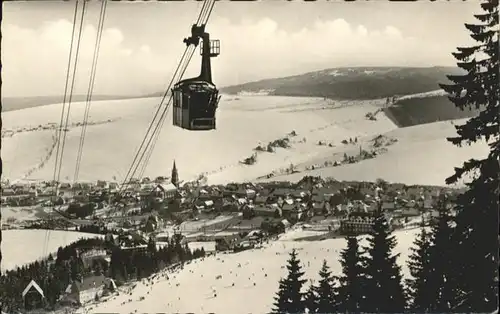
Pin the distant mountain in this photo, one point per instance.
(351, 83)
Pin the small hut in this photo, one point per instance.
(33, 296)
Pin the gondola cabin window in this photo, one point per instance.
(177, 99)
(185, 101)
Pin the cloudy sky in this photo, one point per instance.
(142, 42)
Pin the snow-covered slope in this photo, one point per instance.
(255, 275)
(434, 93)
(243, 122)
(21, 247)
(421, 155)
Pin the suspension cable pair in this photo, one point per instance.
(64, 120)
(147, 146)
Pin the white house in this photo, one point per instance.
(166, 191)
(81, 292)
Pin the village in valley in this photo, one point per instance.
(144, 217)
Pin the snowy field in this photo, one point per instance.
(421, 155)
(208, 246)
(16, 214)
(254, 273)
(438, 92)
(298, 233)
(21, 247)
(24, 152)
(193, 226)
(243, 123)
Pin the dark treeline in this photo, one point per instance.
(127, 264)
(371, 280)
(97, 229)
(53, 275)
(81, 210)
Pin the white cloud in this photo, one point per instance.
(326, 44)
(392, 31)
(145, 49)
(361, 30)
(35, 61)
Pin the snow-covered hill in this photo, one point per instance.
(352, 83)
(434, 93)
(21, 247)
(248, 284)
(419, 155)
(243, 123)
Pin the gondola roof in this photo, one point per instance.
(194, 81)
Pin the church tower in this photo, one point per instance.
(175, 176)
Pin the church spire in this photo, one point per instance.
(175, 176)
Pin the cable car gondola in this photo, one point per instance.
(195, 100)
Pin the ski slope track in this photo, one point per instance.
(254, 273)
(243, 122)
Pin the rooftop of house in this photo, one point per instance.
(86, 284)
(360, 219)
(325, 191)
(263, 208)
(288, 207)
(318, 186)
(166, 187)
(33, 285)
(261, 197)
(282, 191)
(318, 198)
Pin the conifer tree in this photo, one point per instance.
(383, 288)
(76, 268)
(97, 268)
(349, 295)
(152, 246)
(281, 298)
(187, 252)
(53, 290)
(325, 290)
(152, 260)
(115, 264)
(420, 269)
(311, 299)
(440, 287)
(475, 236)
(289, 298)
